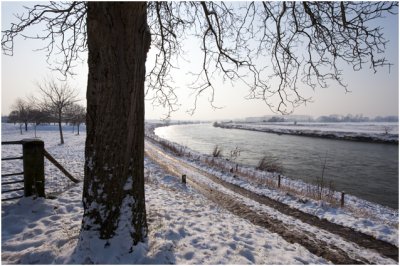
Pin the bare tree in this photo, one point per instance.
(56, 97)
(304, 43)
(37, 113)
(21, 113)
(76, 115)
(13, 117)
(34, 112)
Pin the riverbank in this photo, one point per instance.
(379, 134)
(244, 200)
(358, 214)
(366, 170)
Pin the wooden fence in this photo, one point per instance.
(33, 154)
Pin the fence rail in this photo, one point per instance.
(59, 166)
(12, 158)
(12, 174)
(33, 154)
(12, 190)
(12, 142)
(12, 182)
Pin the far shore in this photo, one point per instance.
(374, 138)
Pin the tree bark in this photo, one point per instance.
(118, 42)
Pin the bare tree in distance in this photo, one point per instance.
(76, 115)
(36, 115)
(21, 113)
(257, 43)
(13, 118)
(56, 97)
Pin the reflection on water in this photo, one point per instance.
(367, 170)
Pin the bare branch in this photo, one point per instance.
(56, 97)
(65, 31)
(276, 49)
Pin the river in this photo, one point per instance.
(366, 170)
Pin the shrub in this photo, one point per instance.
(234, 154)
(269, 164)
(217, 152)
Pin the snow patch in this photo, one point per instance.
(129, 183)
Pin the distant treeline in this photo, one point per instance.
(76, 114)
(326, 119)
(356, 118)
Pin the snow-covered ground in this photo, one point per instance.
(200, 232)
(367, 131)
(184, 227)
(69, 155)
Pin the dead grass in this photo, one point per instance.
(217, 152)
(269, 164)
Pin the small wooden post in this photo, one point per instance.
(237, 166)
(279, 180)
(33, 161)
(342, 199)
(184, 179)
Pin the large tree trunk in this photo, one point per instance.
(118, 42)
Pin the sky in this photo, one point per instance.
(371, 94)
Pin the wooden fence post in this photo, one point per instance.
(184, 179)
(33, 161)
(279, 180)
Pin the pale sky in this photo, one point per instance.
(371, 94)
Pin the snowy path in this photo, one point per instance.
(331, 241)
(186, 228)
